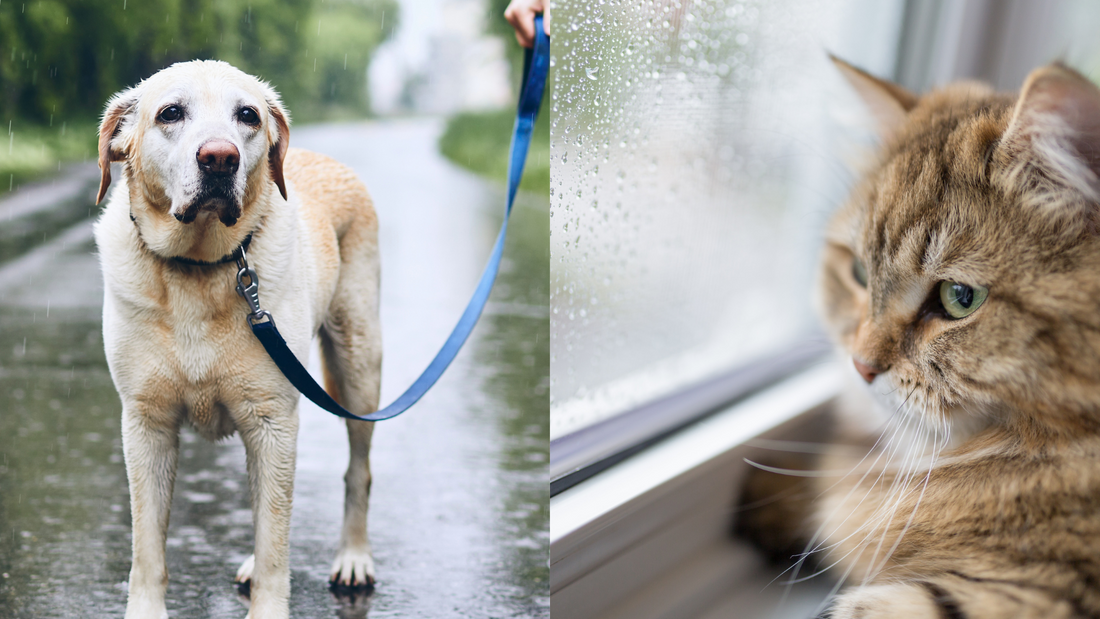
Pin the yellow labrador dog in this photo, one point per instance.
(206, 169)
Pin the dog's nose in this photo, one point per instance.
(218, 157)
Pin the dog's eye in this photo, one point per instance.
(170, 114)
(248, 116)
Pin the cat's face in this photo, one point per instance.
(963, 275)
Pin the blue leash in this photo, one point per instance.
(535, 66)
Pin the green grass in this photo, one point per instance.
(479, 142)
(28, 152)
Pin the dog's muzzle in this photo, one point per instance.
(218, 160)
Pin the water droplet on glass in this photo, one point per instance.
(591, 72)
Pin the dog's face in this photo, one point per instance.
(199, 137)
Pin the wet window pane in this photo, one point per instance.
(695, 159)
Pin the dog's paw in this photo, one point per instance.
(352, 568)
(244, 574)
(146, 609)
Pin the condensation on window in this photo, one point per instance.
(693, 167)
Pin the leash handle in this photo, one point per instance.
(536, 64)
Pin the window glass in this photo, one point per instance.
(694, 163)
(1074, 39)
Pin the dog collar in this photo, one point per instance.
(230, 257)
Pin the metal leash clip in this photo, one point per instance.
(251, 292)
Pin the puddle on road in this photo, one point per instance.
(64, 509)
(63, 503)
(515, 356)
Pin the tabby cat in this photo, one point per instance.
(962, 279)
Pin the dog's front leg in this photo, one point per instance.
(270, 441)
(151, 448)
(354, 566)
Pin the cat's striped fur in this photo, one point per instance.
(981, 499)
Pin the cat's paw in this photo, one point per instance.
(887, 602)
(353, 568)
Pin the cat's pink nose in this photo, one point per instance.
(866, 371)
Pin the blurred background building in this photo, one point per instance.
(441, 62)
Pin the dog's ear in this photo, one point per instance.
(279, 136)
(117, 109)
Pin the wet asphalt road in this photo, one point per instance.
(459, 508)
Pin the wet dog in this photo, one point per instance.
(206, 169)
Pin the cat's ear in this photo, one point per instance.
(1057, 121)
(888, 102)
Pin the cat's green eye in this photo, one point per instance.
(859, 272)
(960, 300)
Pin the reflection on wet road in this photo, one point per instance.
(459, 507)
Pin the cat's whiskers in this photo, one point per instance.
(883, 516)
(892, 447)
(792, 472)
(859, 548)
(810, 546)
(908, 490)
(937, 449)
(841, 580)
(874, 449)
(916, 449)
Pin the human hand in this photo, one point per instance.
(521, 14)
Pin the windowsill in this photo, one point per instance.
(579, 455)
(649, 537)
